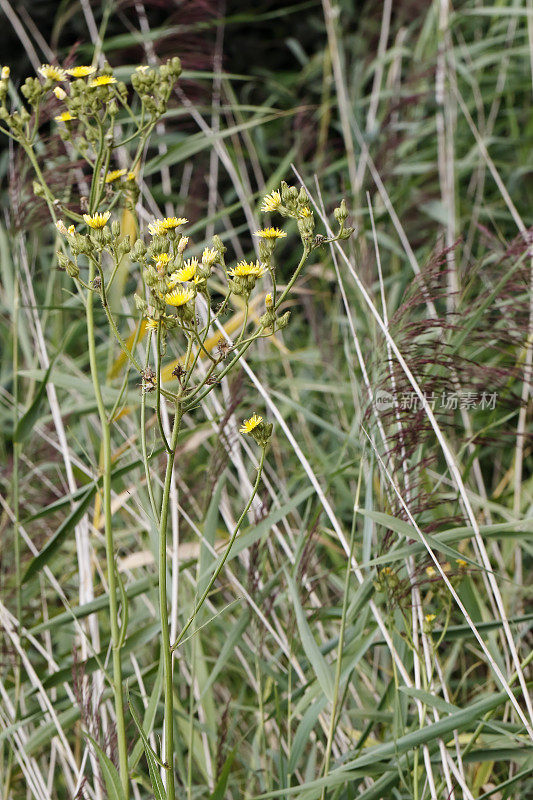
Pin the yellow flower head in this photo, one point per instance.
(161, 226)
(52, 73)
(268, 300)
(130, 176)
(248, 425)
(209, 256)
(71, 230)
(245, 269)
(179, 297)
(461, 563)
(6, 72)
(430, 572)
(66, 116)
(80, 72)
(114, 175)
(271, 202)
(185, 274)
(101, 80)
(97, 221)
(60, 93)
(430, 617)
(271, 233)
(151, 324)
(305, 212)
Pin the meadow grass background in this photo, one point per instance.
(345, 651)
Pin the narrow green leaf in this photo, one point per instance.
(312, 651)
(27, 422)
(109, 771)
(42, 559)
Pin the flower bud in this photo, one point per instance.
(60, 93)
(115, 228)
(140, 303)
(6, 72)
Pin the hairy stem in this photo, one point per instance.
(168, 754)
(109, 545)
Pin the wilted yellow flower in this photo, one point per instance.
(209, 256)
(161, 226)
(151, 324)
(271, 233)
(248, 425)
(114, 175)
(101, 80)
(161, 260)
(61, 227)
(60, 93)
(71, 230)
(80, 72)
(245, 269)
(52, 73)
(179, 297)
(66, 116)
(271, 202)
(268, 300)
(183, 242)
(6, 72)
(142, 68)
(97, 221)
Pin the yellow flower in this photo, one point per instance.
(185, 274)
(268, 300)
(6, 72)
(97, 221)
(114, 175)
(209, 256)
(179, 297)
(430, 617)
(161, 226)
(80, 72)
(271, 233)
(245, 269)
(101, 80)
(271, 202)
(151, 324)
(248, 425)
(461, 563)
(71, 230)
(66, 116)
(52, 73)
(305, 212)
(60, 93)
(130, 176)
(430, 571)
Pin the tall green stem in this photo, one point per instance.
(168, 756)
(110, 554)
